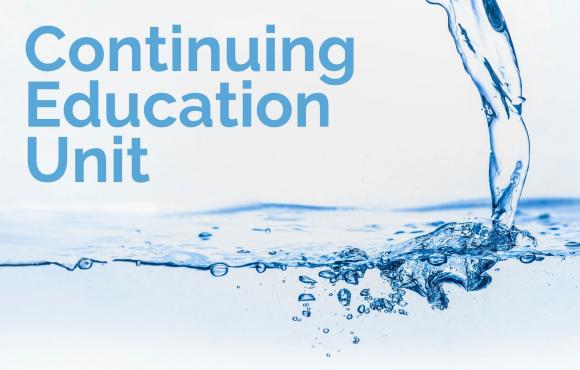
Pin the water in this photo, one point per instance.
(417, 254)
(484, 43)
(413, 251)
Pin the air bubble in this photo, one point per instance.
(260, 267)
(85, 264)
(219, 269)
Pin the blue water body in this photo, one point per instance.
(412, 251)
(416, 252)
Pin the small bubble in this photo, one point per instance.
(296, 318)
(361, 309)
(365, 292)
(326, 330)
(349, 316)
(527, 258)
(219, 269)
(138, 263)
(355, 340)
(328, 355)
(267, 231)
(85, 264)
(260, 267)
(306, 313)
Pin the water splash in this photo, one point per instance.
(412, 251)
(485, 45)
(333, 251)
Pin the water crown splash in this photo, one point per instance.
(484, 43)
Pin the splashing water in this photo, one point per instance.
(381, 240)
(412, 251)
(484, 43)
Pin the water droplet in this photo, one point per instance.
(349, 316)
(344, 297)
(572, 244)
(306, 280)
(204, 235)
(138, 263)
(365, 292)
(296, 318)
(306, 313)
(361, 309)
(267, 231)
(219, 269)
(327, 274)
(305, 297)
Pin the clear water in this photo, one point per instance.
(413, 251)
(484, 43)
(416, 253)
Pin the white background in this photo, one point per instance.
(406, 130)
